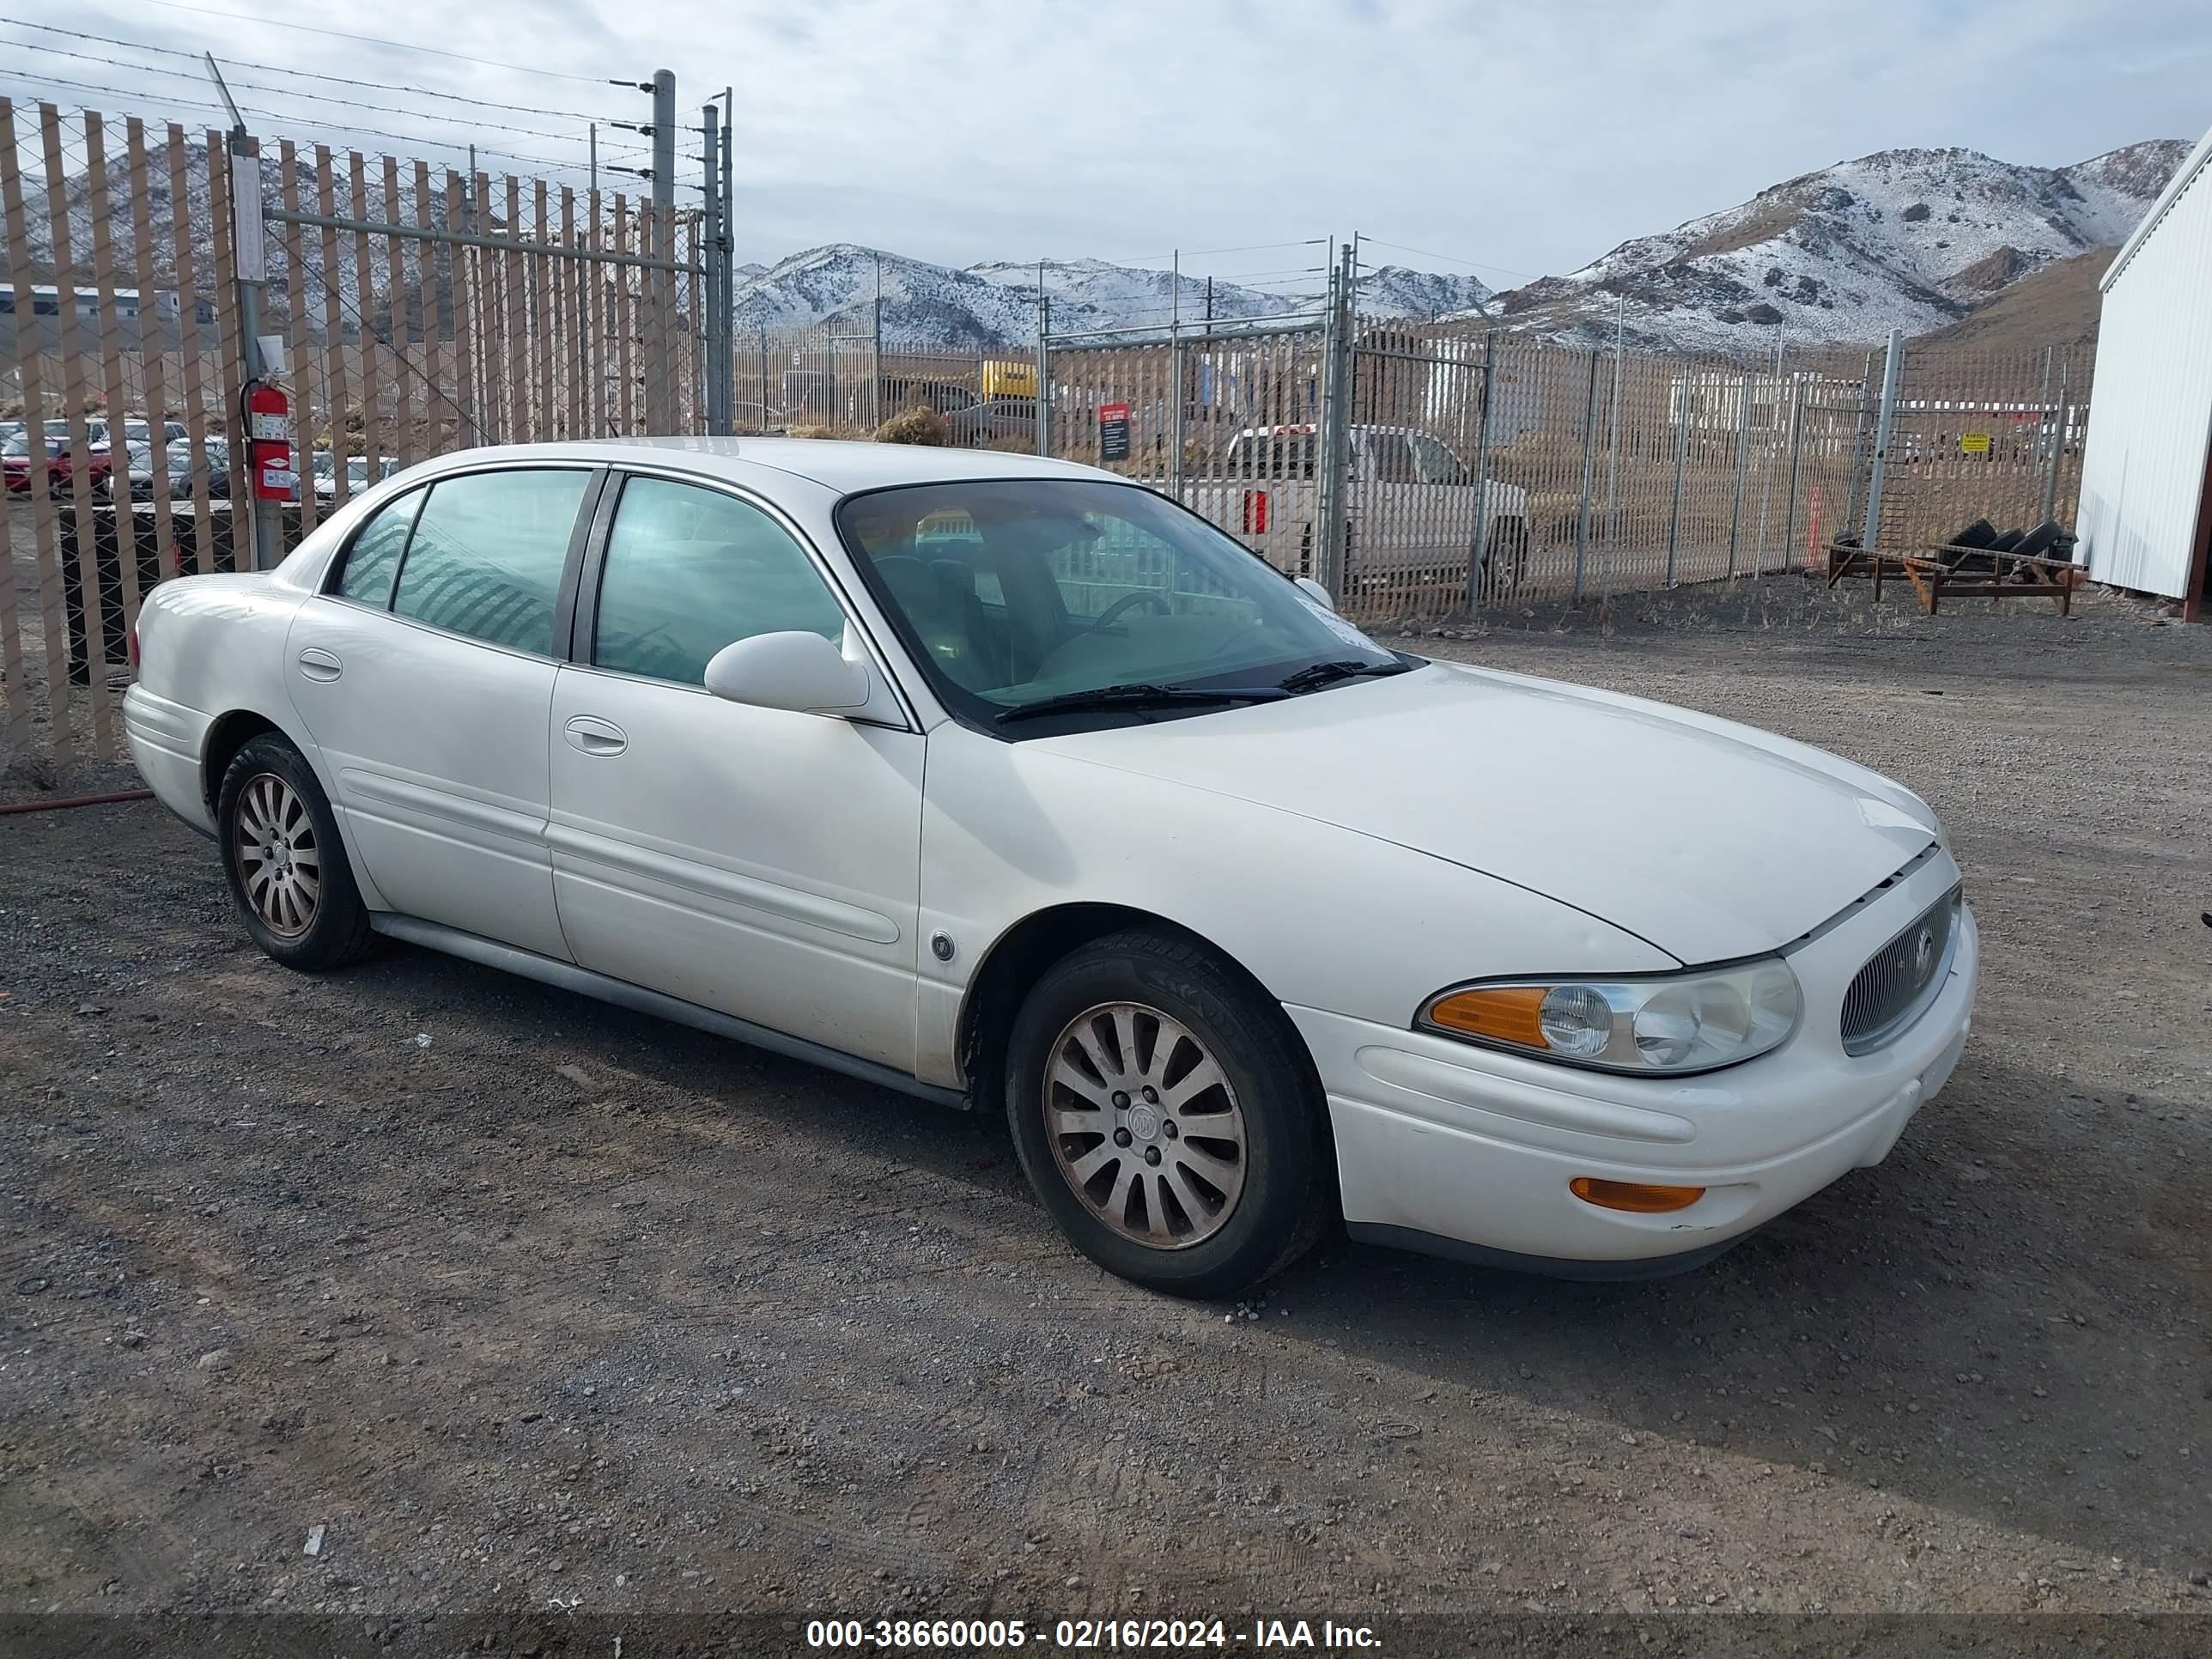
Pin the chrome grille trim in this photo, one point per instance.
(1903, 979)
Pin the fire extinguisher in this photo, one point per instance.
(269, 437)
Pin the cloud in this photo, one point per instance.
(1528, 139)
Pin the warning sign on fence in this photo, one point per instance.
(1974, 443)
(1113, 432)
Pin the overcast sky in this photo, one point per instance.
(1510, 139)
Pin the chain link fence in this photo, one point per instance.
(1489, 468)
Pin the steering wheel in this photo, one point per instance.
(1158, 600)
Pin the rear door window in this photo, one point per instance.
(487, 556)
(373, 559)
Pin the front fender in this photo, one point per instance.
(1323, 917)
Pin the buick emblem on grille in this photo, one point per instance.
(1923, 956)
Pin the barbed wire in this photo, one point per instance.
(351, 103)
(310, 74)
(548, 163)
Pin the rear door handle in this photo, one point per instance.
(588, 734)
(318, 663)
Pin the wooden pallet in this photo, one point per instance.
(1935, 573)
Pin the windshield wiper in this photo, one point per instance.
(1139, 694)
(1328, 673)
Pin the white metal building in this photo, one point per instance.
(2147, 480)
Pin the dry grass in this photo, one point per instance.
(918, 425)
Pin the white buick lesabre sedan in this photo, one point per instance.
(1009, 784)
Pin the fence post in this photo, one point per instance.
(1742, 456)
(1479, 558)
(726, 266)
(1766, 471)
(1893, 366)
(1681, 401)
(1176, 368)
(876, 348)
(1796, 465)
(248, 266)
(1613, 438)
(1330, 561)
(1866, 395)
(717, 279)
(1589, 461)
(2057, 446)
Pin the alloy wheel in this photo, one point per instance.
(279, 863)
(1145, 1125)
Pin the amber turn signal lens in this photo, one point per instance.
(1505, 1014)
(1636, 1197)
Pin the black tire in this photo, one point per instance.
(1285, 1198)
(1505, 557)
(331, 931)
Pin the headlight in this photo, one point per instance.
(1692, 1022)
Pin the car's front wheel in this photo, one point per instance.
(288, 870)
(1167, 1116)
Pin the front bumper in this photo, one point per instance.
(1467, 1151)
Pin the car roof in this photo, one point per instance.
(836, 463)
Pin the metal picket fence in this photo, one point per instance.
(417, 309)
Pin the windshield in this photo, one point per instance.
(1019, 590)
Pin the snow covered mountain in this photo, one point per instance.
(1910, 239)
(995, 303)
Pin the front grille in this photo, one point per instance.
(1901, 979)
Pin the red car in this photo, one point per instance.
(61, 464)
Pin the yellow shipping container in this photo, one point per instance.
(1009, 379)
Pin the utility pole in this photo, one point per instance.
(729, 319)
(876, 347)
(250, 249)
(1330, 562)
(595, 158)
(660, 392)
(1043, 366)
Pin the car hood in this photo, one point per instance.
(1707, 839)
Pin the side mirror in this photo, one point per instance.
(1314, 591)
(802, 672)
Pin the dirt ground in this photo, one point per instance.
(557, 1318)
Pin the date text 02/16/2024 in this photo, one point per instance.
(1092, 1634)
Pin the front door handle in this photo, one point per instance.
(318, 663)
(588, 734)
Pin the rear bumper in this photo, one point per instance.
(166, 740)
(1462, 1152)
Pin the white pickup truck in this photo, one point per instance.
(1412, 509)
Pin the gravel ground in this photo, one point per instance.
(541, 1310)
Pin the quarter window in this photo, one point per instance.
(690, 571)
(487, 555)
(373, 559)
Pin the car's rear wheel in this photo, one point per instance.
(286, 867)
(1167, 1117)
(1505, 559)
